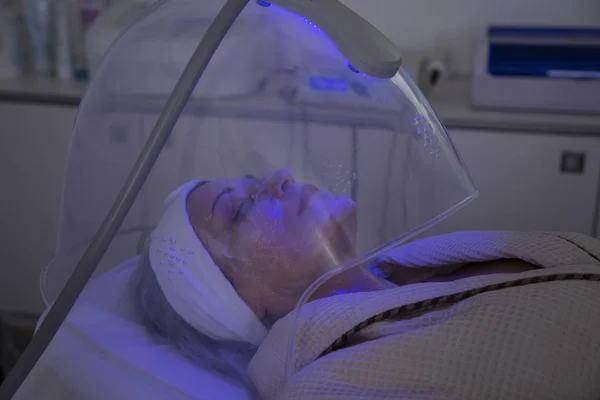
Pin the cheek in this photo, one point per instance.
(278, 248)
(267, 226)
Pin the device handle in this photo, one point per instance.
(366, 48)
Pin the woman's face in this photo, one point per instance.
(272, 236)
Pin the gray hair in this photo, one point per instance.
(229, 359)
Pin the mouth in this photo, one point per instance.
(308, 191)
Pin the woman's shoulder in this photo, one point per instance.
(329, 324)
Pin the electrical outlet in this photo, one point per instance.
(118, 134)
(572, 162)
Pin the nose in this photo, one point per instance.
(276, 182)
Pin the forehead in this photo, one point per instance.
(201, 200)
(199, 204)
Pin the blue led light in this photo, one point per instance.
(264, 3)
(321, 83)
(308, 21)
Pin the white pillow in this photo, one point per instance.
(102, 352)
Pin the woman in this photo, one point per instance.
(231, 257)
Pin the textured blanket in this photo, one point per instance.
(529, 335)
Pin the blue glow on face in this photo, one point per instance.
(321, 83)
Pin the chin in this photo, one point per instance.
(342, 229)
(344, 212)
(336, 216)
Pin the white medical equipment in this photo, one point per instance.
(538, 69)
(305, 86)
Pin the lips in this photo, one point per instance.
(308, 191)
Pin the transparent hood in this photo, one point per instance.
(286, 167)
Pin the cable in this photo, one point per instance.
(387, 183)
(354, 165)
(94, 253)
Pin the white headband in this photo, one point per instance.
(191, 281)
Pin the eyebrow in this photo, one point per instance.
(223, 192)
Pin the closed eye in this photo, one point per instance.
(244, 209)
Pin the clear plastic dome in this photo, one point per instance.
(287, 171)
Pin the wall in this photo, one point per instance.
(458, 24)
(34, 142)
